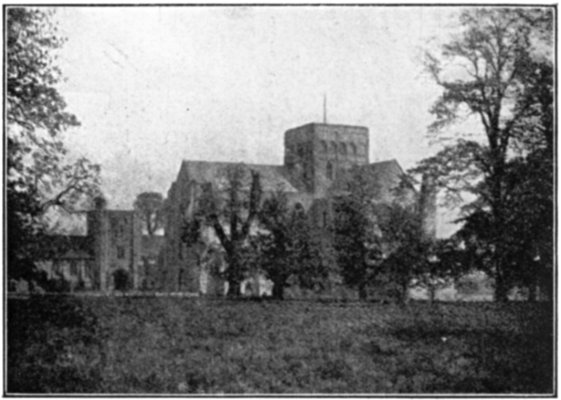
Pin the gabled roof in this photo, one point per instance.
(273, 177)
(385, 170)
(388, 174)
(384, 175)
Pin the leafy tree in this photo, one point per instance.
(492, 71)
(278, 242)
(446, 262)
(40, 173)
(528, 234)
(316, 258)
(149, 206)
(292, 250)
(405, 248)
(356, 234)
(231, 211)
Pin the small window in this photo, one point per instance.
(323, 147)
(329, 171)
(120, 252)
(353, 149)
(333, 148)
(325, 218)
(343, 149)
(119, 227)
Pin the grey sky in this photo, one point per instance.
(155, 85)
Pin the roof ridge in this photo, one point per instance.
(386, 161)
(231, 163)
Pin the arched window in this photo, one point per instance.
(323, 147)
(333, 148)
(353, 149)
(329, 171)
(343, 149)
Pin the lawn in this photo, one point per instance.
(182, 345)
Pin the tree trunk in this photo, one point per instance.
(432, 293)
(233, 276)
(278, 289)
(501, 290)
(234, 287)
(533, 292)
(497, 208)
(362, 292)
(404, 292)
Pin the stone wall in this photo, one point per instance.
(116, 237)
(319, 153)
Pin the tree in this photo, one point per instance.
(528, 234)
(405, 249)
(356, 234)
(292, 251)
(231, 211)
(149, 207)
(278, 242)
(498, 83)
(446, 262)
(41, 174)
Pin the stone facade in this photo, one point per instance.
(116, 246)
(113, 242)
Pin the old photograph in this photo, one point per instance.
(287, 199)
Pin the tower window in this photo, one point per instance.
(329, 171)
(333, 148)
(120, 252)
(323, 147)
(343, 149)
(353, 149)
(121, 230)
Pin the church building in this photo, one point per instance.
(317, 160)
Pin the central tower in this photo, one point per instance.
(316, 154)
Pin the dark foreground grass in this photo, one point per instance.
(173, 345)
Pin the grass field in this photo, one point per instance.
(174, 345)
